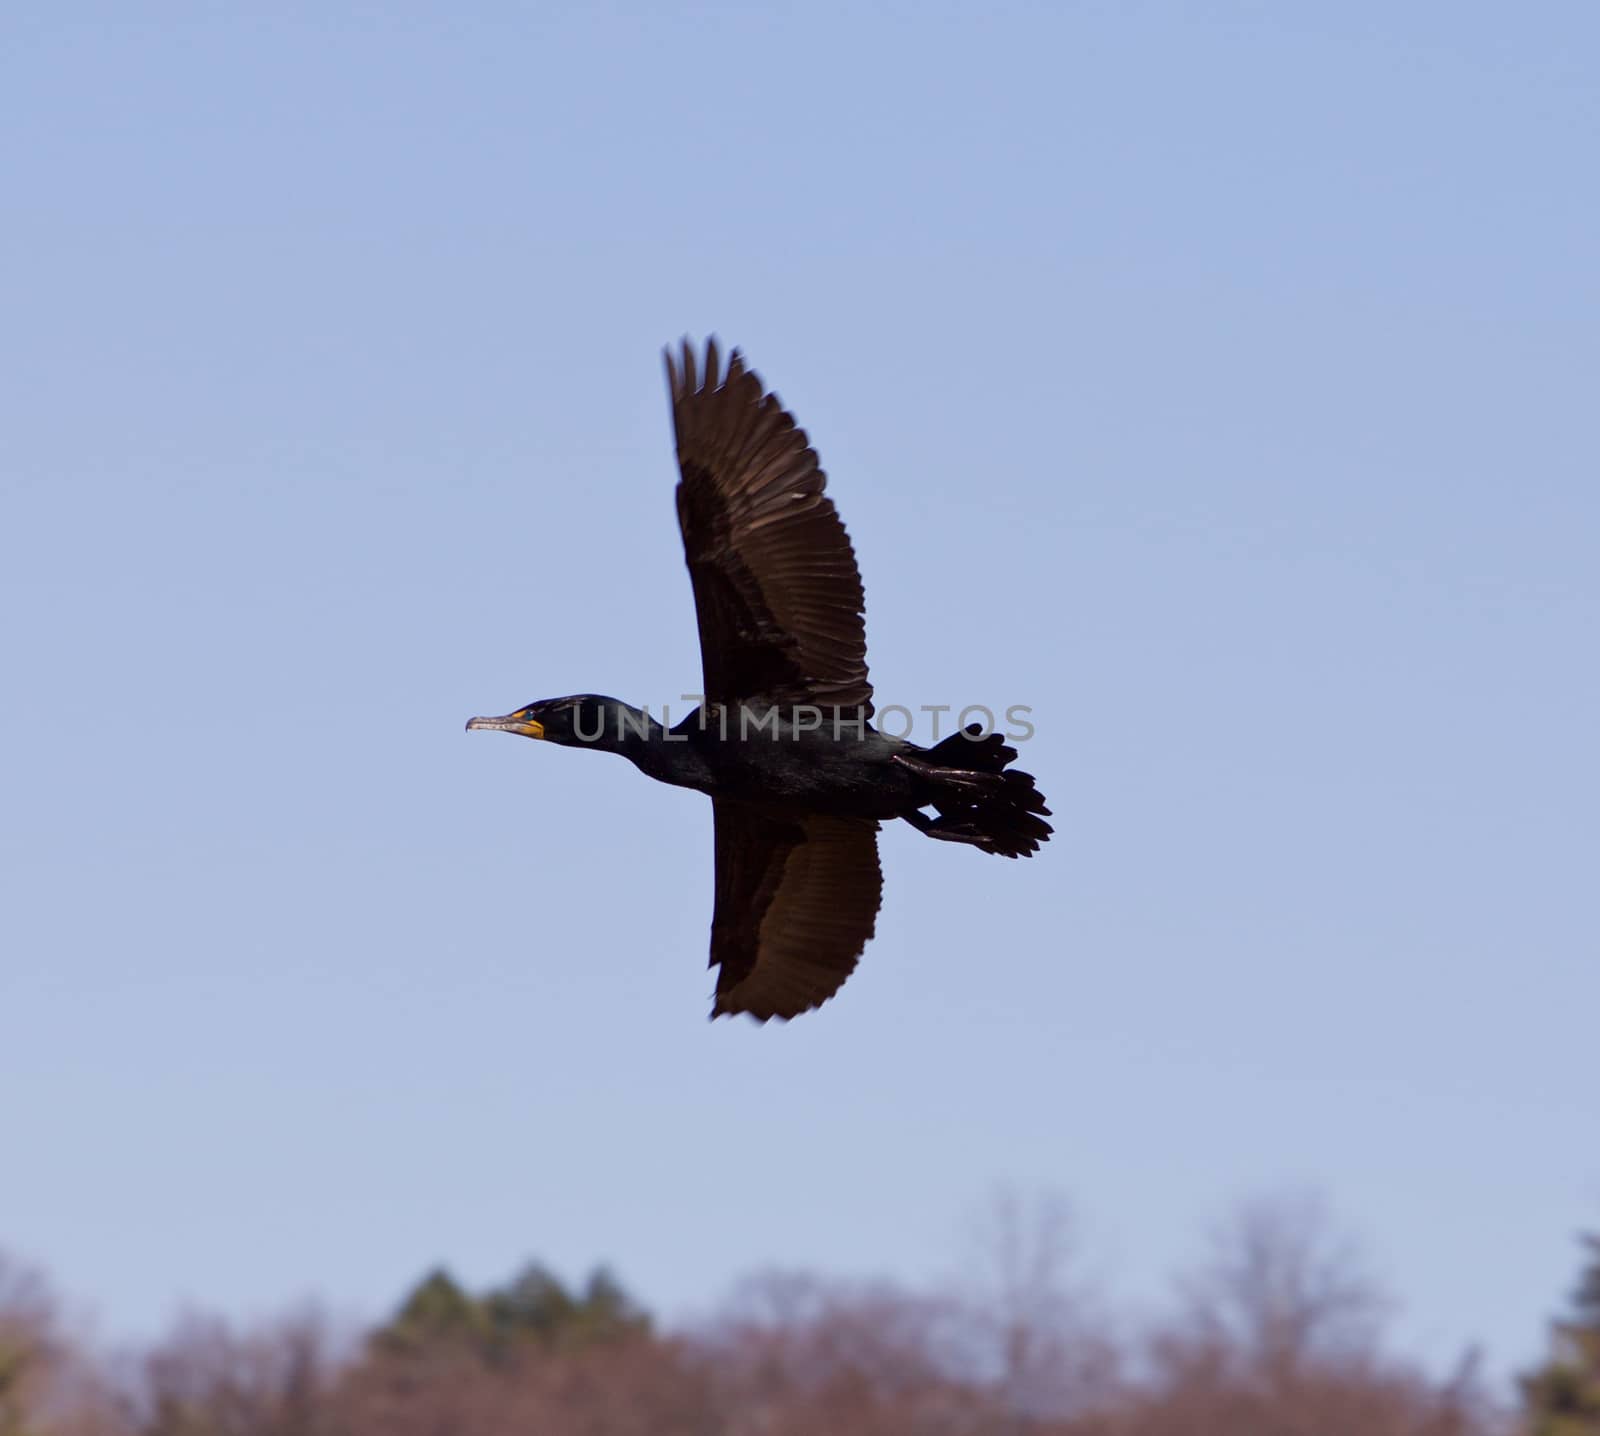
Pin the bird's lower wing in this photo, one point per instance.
(796, 902)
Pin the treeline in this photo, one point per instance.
(1277, 1333)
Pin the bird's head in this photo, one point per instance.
(582, 720)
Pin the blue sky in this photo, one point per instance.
(1219, 381)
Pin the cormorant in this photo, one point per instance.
(799, 778)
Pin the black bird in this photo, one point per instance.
(799, 778)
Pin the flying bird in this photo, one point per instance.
(783, 741)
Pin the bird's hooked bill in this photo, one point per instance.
(512, 723)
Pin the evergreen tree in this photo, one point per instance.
(535, 1310)
(436, 1312)
(1562, 1398)
(537, 1305)
(534, 1303)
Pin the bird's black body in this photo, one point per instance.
(804, 762)
(784, 744)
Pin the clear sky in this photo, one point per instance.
(1218, 380)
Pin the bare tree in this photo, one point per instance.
(637, 1386)
(48, 1387)
(797, 1354)
(1036, 1329)
(1277, 1333)
(209, 1379)
(1282, 1286)
(28, 1348)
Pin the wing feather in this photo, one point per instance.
(777, 591)
(796, 903)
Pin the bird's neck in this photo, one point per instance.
(648, 745)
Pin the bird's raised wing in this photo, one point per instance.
(796, 903)
(776, 586)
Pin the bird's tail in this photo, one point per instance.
(982, 800)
